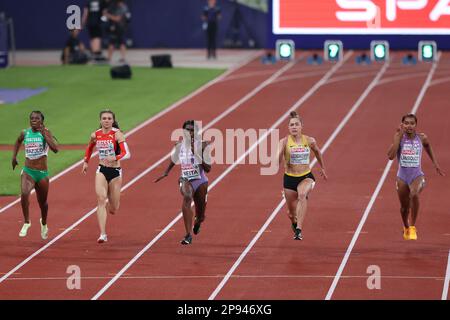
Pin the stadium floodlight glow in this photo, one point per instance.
(285, 49)
(427, 51)
(333, 50)
(379, 50)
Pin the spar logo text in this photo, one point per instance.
(366, 10)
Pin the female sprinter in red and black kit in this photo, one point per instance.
(112, 148)
(298, 180)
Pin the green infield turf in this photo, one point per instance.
(76, 94)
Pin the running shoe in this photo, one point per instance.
(406, 233)
(298, 234)
(197, 227)
(102, 238)
(412, 233)
(187, 239)
(24, 230)
(44, 230)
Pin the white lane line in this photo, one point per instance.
(299, 75)
(247, 250)
(402, 77)
(228, 170)
(447, 279)
(248, 75)
(439, 81)
(377, 189)
(147, 122)
(352, 76)
(219, 276)
(130, 183)
(313, 163)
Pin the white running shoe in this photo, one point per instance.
(44, 230)
(103, 238)
(24, 230)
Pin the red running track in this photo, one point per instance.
(276, 267)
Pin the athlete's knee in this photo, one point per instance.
(292, 216)
(187, 194)
(302, 196)
(404, 210)
(113, 208)
(101, 200)
(187, 198)
(25, 194)
(200, 217)
(43, 206)
(200, 209)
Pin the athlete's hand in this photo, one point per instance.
(14, 163)
(323, 174)
(85, 167)
(400, 130)
(439, 171)
(44, 131)
(160, 178)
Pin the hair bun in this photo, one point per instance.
(293, 114)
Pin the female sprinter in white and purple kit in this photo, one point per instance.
(194, 158)
(408, 146)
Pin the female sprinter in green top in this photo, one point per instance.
(37, 140)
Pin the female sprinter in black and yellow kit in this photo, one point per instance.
(295, 150)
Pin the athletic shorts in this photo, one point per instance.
(196, 183)
(36, 175)
(291, 183)
(109, 172)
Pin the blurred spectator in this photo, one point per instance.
(118, 16)
(92, 15)
(211, 16)
(74, 52)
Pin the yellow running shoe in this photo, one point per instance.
(24, 230)
(406, 233)
(412, 233)
(44, 230)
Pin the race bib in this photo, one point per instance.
(410, 156)
(34, 150)
(105, 149)
(190, 171)
(299, 155)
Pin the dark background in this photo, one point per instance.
(41, 24)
